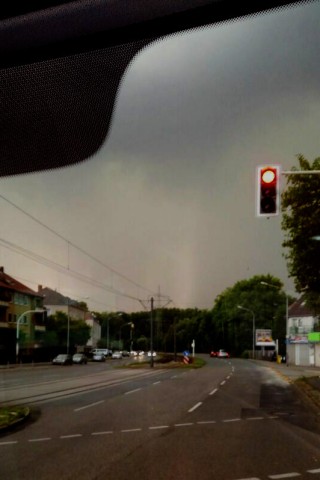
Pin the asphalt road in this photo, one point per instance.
(231, 420)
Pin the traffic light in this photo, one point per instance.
(268, 194)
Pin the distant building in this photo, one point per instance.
(302, 324)
(56, 302)
(18, 304)
(95, 330)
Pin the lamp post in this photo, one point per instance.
(37, 310)
(253, 326)
(287, 314)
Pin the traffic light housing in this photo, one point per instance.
(268, 191)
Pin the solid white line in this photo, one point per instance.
(213, 391)
(158, 428)
(39, 439)
(182, 424)
(194, 407)
(232, 420)
(132, 391)
(131, 430)
(88, 406)
(206, 422)
(285, 475)
(102, 433)
(8, 443)
(71, 436)
(314, 471)
(222, 383)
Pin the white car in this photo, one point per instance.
(117, 355)
(222, 354)
(153, 354)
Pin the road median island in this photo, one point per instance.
(168, 361)
(12, 415)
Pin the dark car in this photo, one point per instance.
(62, 359)
(213, 353)
(80, 358)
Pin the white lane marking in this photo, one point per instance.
(222, 383)
(45, 439)
(132, 391)
(255, 418)
(231, 420)
(88, 406)
(108, 432)
(317, 470)
(159, 427)
(8, 443)
(174, 376)
(206, 422)
(228, 377)
(192, 409)
(156, 383)
(285, 475)
(71, 436)
(213, 391)
(182, 424)
(131, 430)
(250, 478)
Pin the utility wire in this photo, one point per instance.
(60, 268)
(74, 245)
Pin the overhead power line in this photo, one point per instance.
(89, 255)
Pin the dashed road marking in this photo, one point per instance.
(285, 475)
(88, 406)
(187, 424)
(130, 430)
(208, 422)
(159, 427)
(45, 439)
(192, 409)
(317, 470)
(75, 435)
(213, 391)
(132, 391)
(255, 418)
(223, 382)
(156, 383)
(107, 432)
(232, 420)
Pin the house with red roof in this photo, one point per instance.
(21, 311)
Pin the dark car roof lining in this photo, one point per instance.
(31, 41)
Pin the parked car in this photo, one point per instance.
(80, 358)
(125, 353)
(62, 359)
(98, 357)
(222, 354)
(116, 355)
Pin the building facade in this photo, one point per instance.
(22, 314)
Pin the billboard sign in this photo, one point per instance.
(264, 338)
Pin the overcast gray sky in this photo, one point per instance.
(169, 200)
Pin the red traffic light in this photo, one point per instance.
(268, 175)
(268, 195)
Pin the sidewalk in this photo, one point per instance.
(293, 372)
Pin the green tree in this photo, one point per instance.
(265, 304)
(301, 223)
(57, 328)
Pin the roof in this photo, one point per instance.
(52, 297)
(10, 283)
(300, 309)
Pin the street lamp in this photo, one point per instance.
(253, 326)
(287, 314)
(37, 310)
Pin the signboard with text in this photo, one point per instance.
(264, 338)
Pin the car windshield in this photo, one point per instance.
(194, 226)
